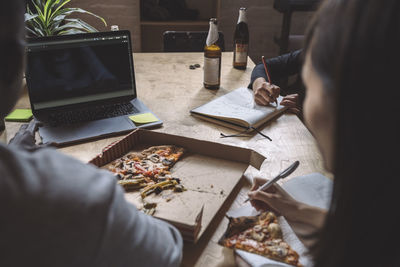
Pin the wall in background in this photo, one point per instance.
(264, 23)
(206, 8)
(124, 13)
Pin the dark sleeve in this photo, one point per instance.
(279, 68)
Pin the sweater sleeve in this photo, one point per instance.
(67, 213)
(279, 68)
(132, 238)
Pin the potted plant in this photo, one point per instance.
(51, 17)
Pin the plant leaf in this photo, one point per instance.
(78, 25)
(59, 8)
(50, 18)
(69, 11)
(88, 27)
(30, 16)
(70, 31)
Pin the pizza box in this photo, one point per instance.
(208, 170)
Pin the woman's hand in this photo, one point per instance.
(265, 93)
(275, 199)
(279, 201)
(291, 101)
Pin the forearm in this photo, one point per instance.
(307, 222)
(311, 215)
(257, 73)
(280, 67)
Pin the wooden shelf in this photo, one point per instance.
(174, 23)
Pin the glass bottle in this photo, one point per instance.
(241, 41)
(212, 58)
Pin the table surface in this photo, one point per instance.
(170, 89)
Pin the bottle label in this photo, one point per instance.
(242, 16)
(211, 71)
(241, 53)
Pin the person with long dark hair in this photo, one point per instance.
(351, 107)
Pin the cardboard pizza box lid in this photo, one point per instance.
(210, 171)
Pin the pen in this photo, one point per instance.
(283, 174)
(269, 78)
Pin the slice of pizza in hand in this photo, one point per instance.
(261, 235)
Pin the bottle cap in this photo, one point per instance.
(214, 20)
(114, 28)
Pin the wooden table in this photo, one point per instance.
(170, 89)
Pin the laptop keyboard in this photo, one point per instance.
(92, 113)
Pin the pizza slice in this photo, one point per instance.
(148, 170)
(259, 234)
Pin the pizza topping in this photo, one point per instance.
(258, 236)
(154, 158)
(158, 190)
(149, 208)
(257, 228)
(148, 169)
(149, 189)
(179, 188)
(139, 167)
(261, 235)
(249, 242)
(132, 184)
(275, 230)
(167, 162)
(278, 251)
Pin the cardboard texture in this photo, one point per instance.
(209, 171)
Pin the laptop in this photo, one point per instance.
(82, 86)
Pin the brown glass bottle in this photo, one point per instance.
(241, 41)
(212, 58)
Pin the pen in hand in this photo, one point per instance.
(283, 174)
(269, 78)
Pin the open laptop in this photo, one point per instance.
(82, 86)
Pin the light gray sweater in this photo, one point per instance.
(57, 211)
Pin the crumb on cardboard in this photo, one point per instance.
(168, 197)
(212, 186)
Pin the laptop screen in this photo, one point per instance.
(75, 69)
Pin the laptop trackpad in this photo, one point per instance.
(86, 130)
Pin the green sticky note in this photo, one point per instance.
(143, 118)
(21, 115)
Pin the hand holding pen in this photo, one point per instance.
(272, 95)
(264, 91)
(281, 175)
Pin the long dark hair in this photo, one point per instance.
(355, 49)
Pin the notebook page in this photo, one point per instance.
(238, 104)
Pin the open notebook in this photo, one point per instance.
(238, 110)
